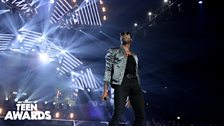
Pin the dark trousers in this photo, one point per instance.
(131, 88)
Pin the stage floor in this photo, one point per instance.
(55, 122)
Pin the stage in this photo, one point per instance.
(55, 122)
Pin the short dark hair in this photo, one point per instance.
(126, 32)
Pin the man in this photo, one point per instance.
(121, 72)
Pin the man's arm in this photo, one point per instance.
(105, 91)
(106, 86)
(108, 73)
(109, 58)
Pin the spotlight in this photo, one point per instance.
(200, 2)
(104, 18)
(178, 117)
(88, 90)
(20, 38)
(136, 24)
(150, 13)
(52, 1)
(147, 104)
(57, 115)
(6, 99)
(76, 90)
(71, 115)
(44, 57)
(104, 9)
(54, 103)
(101, 2)
(45, 102)
(1, 111)
(165, 1)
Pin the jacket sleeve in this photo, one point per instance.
(109, 66)
(138, 72)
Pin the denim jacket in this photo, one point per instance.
(116, 61)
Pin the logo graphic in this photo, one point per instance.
(27, 110)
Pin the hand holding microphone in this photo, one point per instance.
(105, 95)
(105, 98)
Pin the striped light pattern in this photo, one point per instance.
(84, 80)
(28, 42)
(61, 8)
(86, 14)
(68, 63)
(50, 49)
(29, 39)
(28, 7)
(5, 41)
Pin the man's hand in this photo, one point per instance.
(105, 95)
(105, 92)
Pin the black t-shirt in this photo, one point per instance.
(130, 66)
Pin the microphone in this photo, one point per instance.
(105, 98)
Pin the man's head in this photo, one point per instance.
(125, 37)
